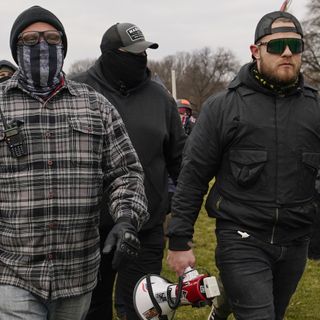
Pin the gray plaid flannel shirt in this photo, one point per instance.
(78, 148)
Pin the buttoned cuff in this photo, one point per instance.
(180, 243)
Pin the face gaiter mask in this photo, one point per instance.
(124, 70)
(40, 67)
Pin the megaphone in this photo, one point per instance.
(156, 298)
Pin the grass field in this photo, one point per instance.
(305, 304)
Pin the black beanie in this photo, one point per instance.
(30, 16)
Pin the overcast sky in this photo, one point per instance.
(176, 25)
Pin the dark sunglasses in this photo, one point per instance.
(277, 46)
(31, 38)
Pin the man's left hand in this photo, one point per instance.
(123, 239)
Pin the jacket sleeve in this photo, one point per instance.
(123, 173)
(175, 142)
(200, 163)
(314, 245)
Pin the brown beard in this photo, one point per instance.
(272, 77)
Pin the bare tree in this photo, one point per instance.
(198, 74)
(80, 66)
(163, 69)
(311, 55)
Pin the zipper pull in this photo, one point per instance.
(243, 235)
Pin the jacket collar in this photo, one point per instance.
(246, 80)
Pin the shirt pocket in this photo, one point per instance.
(247, 165)
(87, 142)
(309, 171)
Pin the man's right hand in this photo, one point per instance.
(178, 261)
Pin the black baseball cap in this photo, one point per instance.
(264, 26)
(125, 36)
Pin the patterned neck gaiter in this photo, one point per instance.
(40, 67)
(264, 82)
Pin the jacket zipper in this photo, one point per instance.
(276, 149)
(274, 226)
(276, 170)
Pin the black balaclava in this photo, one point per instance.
(40, 67)
(123, 70)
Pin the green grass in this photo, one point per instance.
(304, 304)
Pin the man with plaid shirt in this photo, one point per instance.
(62, 146)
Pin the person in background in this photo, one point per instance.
(7, 69)
(153, 123)
(260, 139)
(185, 111)
(187, 121)
(62, 145)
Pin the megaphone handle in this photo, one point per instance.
(190, 273)
(174, 304)
(188, 269)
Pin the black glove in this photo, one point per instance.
(123, 240)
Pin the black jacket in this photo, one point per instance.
(153, 124)
(263, 149)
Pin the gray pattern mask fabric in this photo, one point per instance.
(40, 67)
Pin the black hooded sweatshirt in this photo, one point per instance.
(153, 123)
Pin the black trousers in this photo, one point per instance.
(101, 301)
(259, 278)
(314, 247)
(149, 261)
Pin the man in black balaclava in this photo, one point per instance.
(124, 64)
(153, 123)
(62, 145)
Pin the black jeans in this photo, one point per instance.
(314, 246)
(101, 301)
(149, 261)
(259, 277)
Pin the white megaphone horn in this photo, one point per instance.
(156, 298)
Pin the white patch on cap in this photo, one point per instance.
(135, 33)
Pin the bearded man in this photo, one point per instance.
(260, 139)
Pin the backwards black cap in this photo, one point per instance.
(264, 26)
(30, 16)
